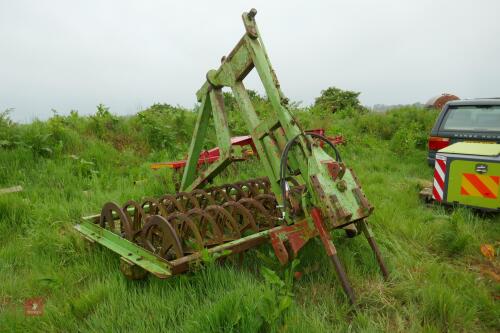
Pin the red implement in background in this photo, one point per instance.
(213, 155)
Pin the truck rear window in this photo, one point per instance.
(472, 118)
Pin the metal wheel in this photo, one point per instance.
(136, 216)
(159, 237)
(107, 221)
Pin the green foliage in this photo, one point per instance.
(39, 139)
(159, 128)
(437, 282)
(8, 133)
(82, 167)
(334, 99)
(63, 133)
(406, 128)
(167, 128)
(455, 238)
(278, 298)
(102, 122)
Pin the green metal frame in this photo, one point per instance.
(332, 191)
(341, 204)
(133, 253)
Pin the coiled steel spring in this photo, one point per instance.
(175, 225)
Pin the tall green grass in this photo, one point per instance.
(69, 166)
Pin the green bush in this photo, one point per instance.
(9, 136)
(406, 127)
(62, 133)
(102, 122)
(334, 99)
(167, 128)
(37, 138)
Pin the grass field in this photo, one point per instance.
(69, 167)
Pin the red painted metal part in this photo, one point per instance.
(297, 236)
(213, 155)
(323, 233)
(336, 140)
(335, 169)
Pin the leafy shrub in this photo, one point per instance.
(102, 122)
(334, 99)
(277, 299)
(37, 138)
(404, 140)
(407, 127)
(167, 127)
(8, 130)
(67, 139)
(82, 167)
(378, 125)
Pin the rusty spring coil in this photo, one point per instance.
(175, 225)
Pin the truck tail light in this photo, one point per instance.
(436, 143)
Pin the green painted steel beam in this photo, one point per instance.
(220, 122)
(209, 174)
(269, 155)
(128, 250)
(340, 200)
(200, 131)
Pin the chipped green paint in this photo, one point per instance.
(126, 249)
(339, 197)
(335, 197)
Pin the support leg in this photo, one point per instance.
(332, 253)
(343, 278)
(367, 231)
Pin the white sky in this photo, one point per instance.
(129, 54)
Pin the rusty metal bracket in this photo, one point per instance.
(297, 235)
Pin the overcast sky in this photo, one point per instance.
(68, 55)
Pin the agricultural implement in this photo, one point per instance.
(212, 155)
(308, 192)
(247, 150)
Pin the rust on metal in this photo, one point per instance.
(307, 191)
(365, 206)
(323, 233)
(332, 253)
(437, 102)
(335, 169)
(297, 236)
(174, 226)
